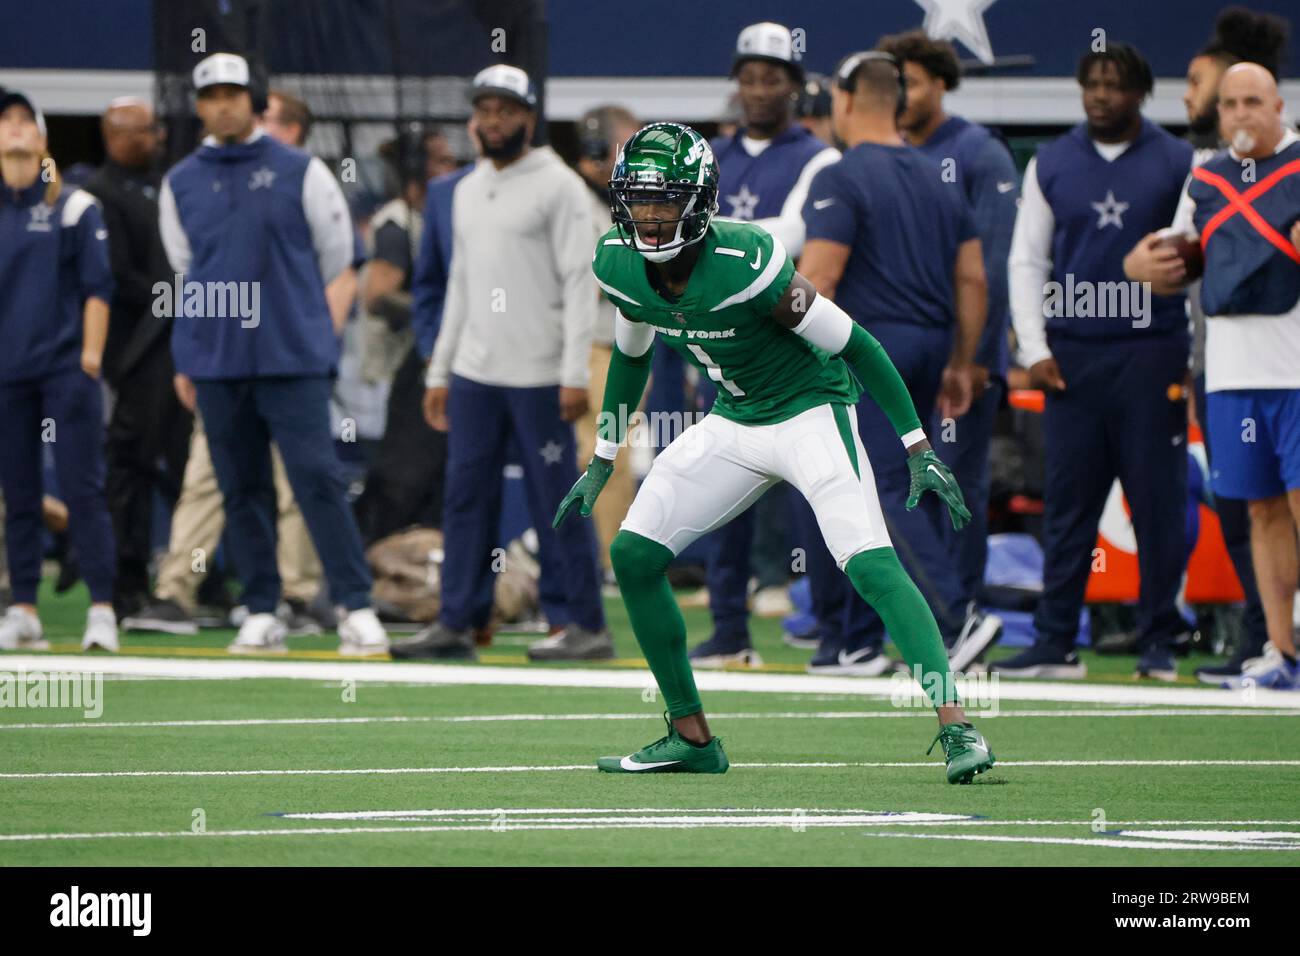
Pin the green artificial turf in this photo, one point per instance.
(207, 736)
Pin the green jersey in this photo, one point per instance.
(722, 323)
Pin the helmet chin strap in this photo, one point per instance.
(654, 253)
(664, 256)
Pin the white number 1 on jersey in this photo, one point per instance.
(715, 373)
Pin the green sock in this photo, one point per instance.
(879, 577)
(641, 566)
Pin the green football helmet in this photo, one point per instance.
(671, 164)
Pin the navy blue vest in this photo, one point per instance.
(1246, 273)
(756, 187)
(241, 208)
(1101, 210)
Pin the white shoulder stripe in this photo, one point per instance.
(615, 242)
(738, 253)
(614, 292)
(78, 202)
(765, 279)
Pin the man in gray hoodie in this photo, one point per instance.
(511, 360)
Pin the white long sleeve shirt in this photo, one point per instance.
(1029, 266)
(788, 225)
(521, 303)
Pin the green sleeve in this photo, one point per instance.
(623, 387)
(869, 361)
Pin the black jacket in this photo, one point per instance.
(130, 205)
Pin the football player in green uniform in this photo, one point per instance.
(790, 366)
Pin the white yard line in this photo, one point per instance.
(591, 767)
(626, 679)
(527, 819)
(89, 724)
(1083, 841)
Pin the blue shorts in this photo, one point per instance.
(1255, 442)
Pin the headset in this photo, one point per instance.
(849, 66)
(594, 135)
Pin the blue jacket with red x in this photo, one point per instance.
(1244, 215)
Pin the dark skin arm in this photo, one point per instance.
(791, 309)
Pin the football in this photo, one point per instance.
(1188, 249)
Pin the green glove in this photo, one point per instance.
(931, 474)
(585, 490)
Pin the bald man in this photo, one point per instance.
(1244, 207)
(148, 435)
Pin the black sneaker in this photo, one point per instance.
(437, 642)
(1157, 663)
(163, 617)
(1043, 660)
(725, 650)
(866, 661)
(573, 643)
(297, 622)
(1216, 674)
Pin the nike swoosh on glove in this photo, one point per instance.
(929, 473)
(584, 490)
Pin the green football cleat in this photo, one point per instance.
(670, 754)
(966, 751)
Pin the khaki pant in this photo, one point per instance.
(199, 520)
(611, 507)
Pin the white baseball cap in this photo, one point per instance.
(767, 41)
(503, 80)
(221, 68)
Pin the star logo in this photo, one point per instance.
(743, 203)
(1109, 211)
(959, 20)
(40, 221)
(552, 452)
(261, 179)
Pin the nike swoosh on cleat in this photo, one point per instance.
(627, 763)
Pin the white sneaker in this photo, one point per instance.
(21, 631)
(772, 602)
(260, 634)
(101, 630)
(361, 634)
(1265, 662)
(977, 634)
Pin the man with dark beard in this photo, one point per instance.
(1110, 356)
(1240, 35)
(511, 359)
